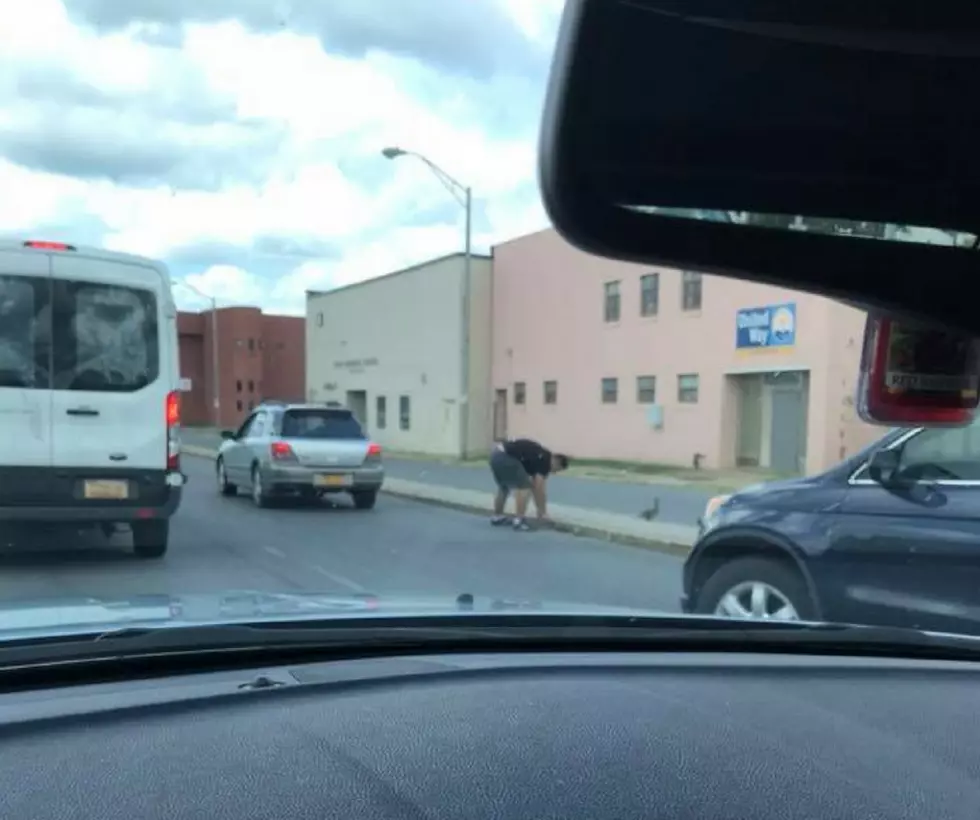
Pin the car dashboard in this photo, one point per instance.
(564, 736)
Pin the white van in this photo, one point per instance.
(89, 390)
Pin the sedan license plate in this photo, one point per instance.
(335, 480)
(106, 489)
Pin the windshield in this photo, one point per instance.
(285, 332)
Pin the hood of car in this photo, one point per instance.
(35, 618)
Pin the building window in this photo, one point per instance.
(687, 388)
(404, 413)
(690, 290)
(610, 391)
(649, 294)
(519, 392)
(611, 301)
(239, 404)
(238, 386)
(251, 345)
(551, 392)
(646, 389)
(251, 386)
(381, 412)
(319, 323)
(251, 406)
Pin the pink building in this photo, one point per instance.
(613, 360)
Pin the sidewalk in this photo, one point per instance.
(679, 503)
(672, 538)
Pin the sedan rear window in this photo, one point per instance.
(316, 423)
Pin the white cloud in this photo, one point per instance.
(240, 139)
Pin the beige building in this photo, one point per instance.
(611, 360)
(391, 349)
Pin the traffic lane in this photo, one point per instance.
(404, 548)
(677, 505)
(401, 548)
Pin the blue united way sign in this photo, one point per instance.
(766, 327)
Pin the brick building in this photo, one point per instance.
(259, 356)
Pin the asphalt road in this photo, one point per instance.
(678, 504)
(399, 548)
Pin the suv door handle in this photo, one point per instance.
(82, 411)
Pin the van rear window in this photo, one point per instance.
(105, 337)
(24, 331)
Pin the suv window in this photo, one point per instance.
(952, 453)
(316, 423)
(105, 337)
(24, 331)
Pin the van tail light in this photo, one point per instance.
(280, 451)
(172, 412)
(373, 452)
(42, 245)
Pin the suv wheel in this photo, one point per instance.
(150, 538)
(756, 588)
(223, 486)
(365, 499)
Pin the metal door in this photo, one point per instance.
(788, 433)
(500, 416)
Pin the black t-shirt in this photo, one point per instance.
(535, 459)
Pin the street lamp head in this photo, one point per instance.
(392, 152)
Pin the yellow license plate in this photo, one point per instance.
(106, 489)
(331, 480)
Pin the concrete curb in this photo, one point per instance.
(610, 534)
(435, 496)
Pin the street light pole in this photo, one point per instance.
(464, 422)
(215, 375)
(464, 196)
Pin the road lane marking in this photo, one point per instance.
(275, 551)
(340, 580)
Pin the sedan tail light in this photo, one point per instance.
(280, 451)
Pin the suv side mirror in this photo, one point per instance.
(227, 435)
(883, 466)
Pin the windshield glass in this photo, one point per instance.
(285, 332)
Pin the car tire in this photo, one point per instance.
(260, 498)
(224, 487)
(365, 499)
(772, 582)
(150, 538)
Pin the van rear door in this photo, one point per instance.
(113, 363)
(25, 365)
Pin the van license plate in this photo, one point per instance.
(343, 480)
(103, 489)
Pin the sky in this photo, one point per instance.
(240, 140)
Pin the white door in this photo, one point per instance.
(25, 359)
(114, 364)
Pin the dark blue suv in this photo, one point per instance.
(889, 537)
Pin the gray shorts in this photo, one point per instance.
(508, 472)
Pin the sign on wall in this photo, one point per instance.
(766, 327)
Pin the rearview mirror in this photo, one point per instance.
(227, 435)
(883, 466)
(767, 141)
(915, 374)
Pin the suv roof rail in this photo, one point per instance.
(273, 401)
